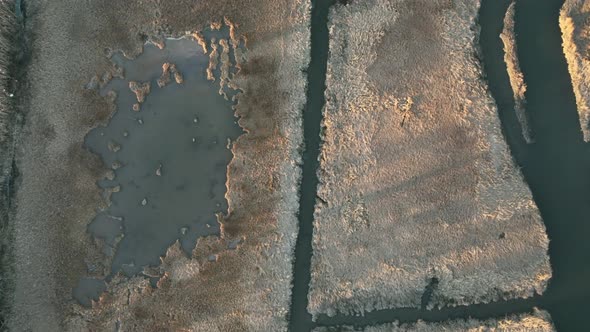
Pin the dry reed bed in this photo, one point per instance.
(574, 21)
(416, 180)
(539, 321)
(515, 73)
(247, 289)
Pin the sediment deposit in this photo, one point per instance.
(539, 321)
(574, 21)
(420, 203)
(243, 288)
(515, 74)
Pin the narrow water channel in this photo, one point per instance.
(557, 166)
(299, 318)
(20, 57)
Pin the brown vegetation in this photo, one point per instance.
(416, 180)
(213, 60)
(141, 90)
(539, 321)
(514, 73)
(574, 21)
(245, 289)
(169, 69)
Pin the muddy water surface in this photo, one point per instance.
(169, 158)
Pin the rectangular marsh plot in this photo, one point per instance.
(239, 281)
(539, 321)
(420, 203)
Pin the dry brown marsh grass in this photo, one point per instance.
(416, 179)
(514, 72)
(538, 321)
(247, 289)
(574, 21)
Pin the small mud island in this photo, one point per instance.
(420, 203)
(515, 74)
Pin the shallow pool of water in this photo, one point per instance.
(169, 158)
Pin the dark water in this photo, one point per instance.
(169, 159)
(411, 315)
(19, 59)
(299, 318)
(557, 166)
(88, 289)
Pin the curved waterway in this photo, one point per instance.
(556, 167)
